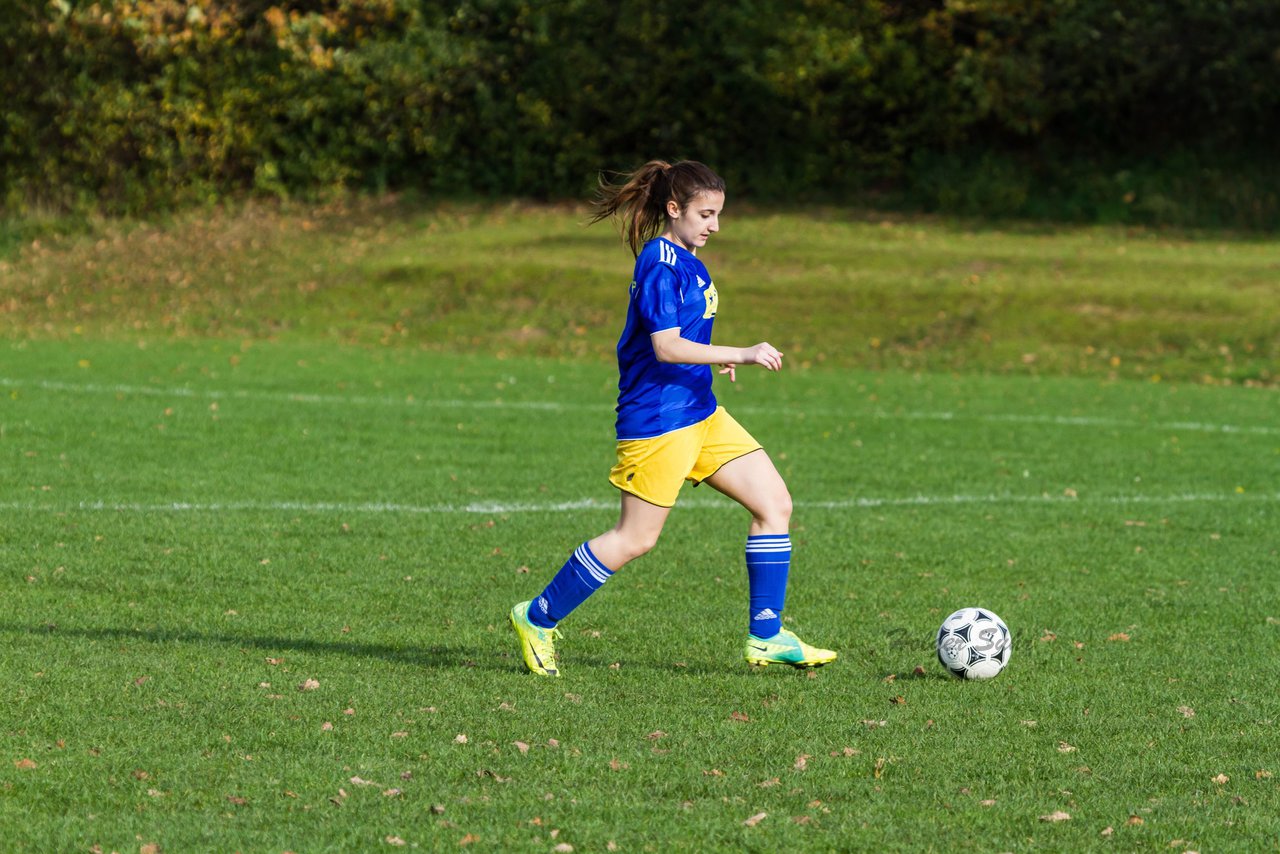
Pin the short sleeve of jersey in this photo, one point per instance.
(657, 298)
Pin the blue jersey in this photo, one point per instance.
(671, 289)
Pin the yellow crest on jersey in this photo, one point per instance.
(713, 301)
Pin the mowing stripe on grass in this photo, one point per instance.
(560, 406)
(496, 507)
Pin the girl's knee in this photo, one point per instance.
(775, 512)
(622, 545)
(638, 543)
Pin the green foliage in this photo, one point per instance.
(132, 106)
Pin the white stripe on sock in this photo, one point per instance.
(765, 548)
(598, 571)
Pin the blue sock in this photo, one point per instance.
(582, 575)
(768, 562)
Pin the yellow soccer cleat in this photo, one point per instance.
(536, 643)
(786, 648)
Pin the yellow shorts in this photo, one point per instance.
(654, 469)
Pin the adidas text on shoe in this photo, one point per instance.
(537, 644)
(786, 648)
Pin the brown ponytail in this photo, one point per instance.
(639, 199)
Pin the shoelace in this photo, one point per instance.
(553, 634)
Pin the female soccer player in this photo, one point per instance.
(669, 428)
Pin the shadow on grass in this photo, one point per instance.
(504, 657)
(439, 657)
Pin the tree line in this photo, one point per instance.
(1162, 111)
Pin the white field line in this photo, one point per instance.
(281, 397)
(592, 504)
(558, 406)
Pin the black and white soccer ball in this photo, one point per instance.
(974, 643)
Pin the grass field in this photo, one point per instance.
(259, 544)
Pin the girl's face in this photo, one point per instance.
(692, 226)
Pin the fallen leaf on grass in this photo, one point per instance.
(1056, 815)
(237, 800)
(1119, 636)
(521, 746)
(756, 819)
(1063, 747)
(1107, 831)
(740, 717)
(1262, 775)
(394, 840)
(989, 802)
(1187, 711)
(802, 762)
(1221, 779)
(656, 734)
(1134, 821)
(563, 848)
(468, 839)
(25, 764)
(615, 765)
(460, 738)
(309, 685)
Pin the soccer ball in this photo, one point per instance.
(974, 643)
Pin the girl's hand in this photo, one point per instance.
(763, 354)
(728, 369)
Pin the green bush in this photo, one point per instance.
(1147, 111)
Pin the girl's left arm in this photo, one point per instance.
(668, 346)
